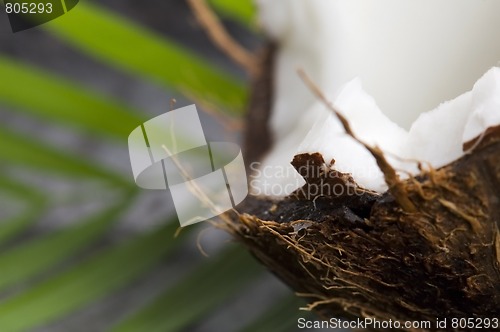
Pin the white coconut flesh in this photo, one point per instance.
(418, 79)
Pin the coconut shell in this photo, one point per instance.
(355, 253)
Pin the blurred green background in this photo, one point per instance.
(81, 248)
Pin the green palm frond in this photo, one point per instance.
(62, 101)
(34, 205)
(49, 274)
(242, 11)
(202, 290)
(109, 37)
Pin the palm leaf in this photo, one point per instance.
(89, 280)
(17, 149)
(73, 103)
(46, 251)
(32, 197)
(196, 295)
(109, 37)
(242, 11)
(46, 276)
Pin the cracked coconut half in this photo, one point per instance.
(375, 172)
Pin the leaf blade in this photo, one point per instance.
(242, 10)
(109, 37)
(44, 252)
(31, 196)
(16, 149)
(188, 300)
(63, 101)
(86, 282)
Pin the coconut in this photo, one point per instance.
(401, 52)
(376, 216)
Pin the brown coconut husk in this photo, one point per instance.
(355, 253)
(427, 249)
